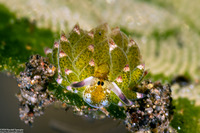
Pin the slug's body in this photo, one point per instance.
(102, 65)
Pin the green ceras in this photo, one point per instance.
(102, 65)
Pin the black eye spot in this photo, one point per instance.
(37, 56)
(98, 83)
(102, 83)
(99, 33)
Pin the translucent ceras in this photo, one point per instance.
(102, 65)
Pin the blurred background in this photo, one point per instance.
(167, 32)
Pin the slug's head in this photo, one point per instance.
(97, 92)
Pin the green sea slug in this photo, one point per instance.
(101, 65)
